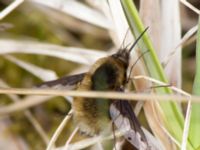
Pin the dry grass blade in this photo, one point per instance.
(21, 105)
(41, 73)
(171, 35)
(79, 55)
(10, 8)
(190, 6)
(71, 137)
(8, 140)
(89, 94)
(58, 131)
(119, 24)
(76, 9)
(29, 116)
(89, 141)
(152, 20)
(188, 111)
(24, 104)
(182, 41)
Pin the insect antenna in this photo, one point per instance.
(135, 64)
(122, 44)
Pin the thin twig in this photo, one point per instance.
(58, 131)
(21, 105)
(70, 138)
(93, 94)
(185, 38)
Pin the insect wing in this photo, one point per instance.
(67, 82)
(125, 120)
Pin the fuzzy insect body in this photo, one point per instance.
(94, 116)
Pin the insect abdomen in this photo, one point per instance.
(92, 115)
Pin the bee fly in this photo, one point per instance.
(93, 115)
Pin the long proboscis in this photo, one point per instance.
(136, 41)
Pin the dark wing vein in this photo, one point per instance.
(66, 82)
(124, 118)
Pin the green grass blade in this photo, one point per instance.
(172, 114)
(195, 115)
